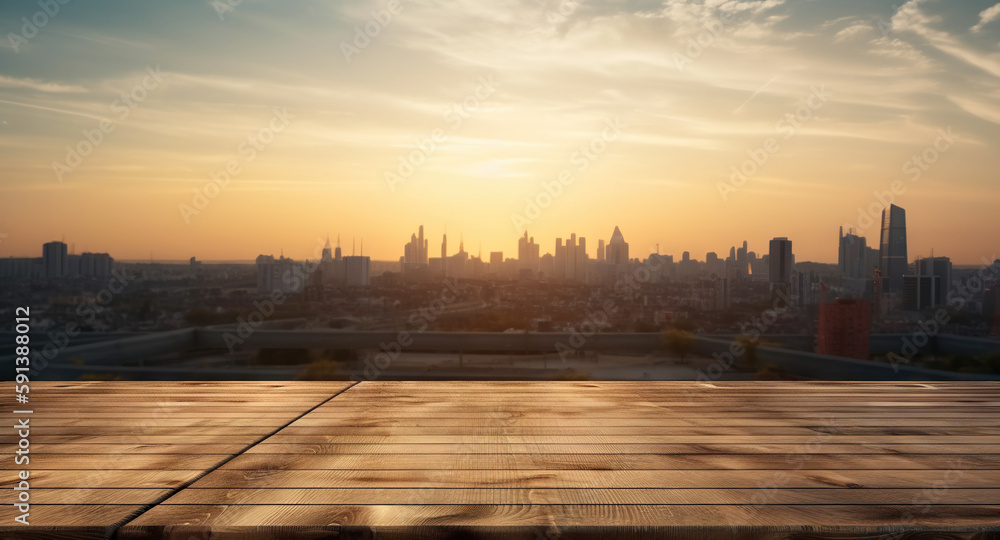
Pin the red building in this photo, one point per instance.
(845, 328)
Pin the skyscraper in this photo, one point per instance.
(854, 258)
(893, 249)
(780, 261)
(55, 261)
(616, 251)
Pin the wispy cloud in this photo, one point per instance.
(41, 86)
(987, 16)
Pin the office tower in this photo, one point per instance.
(559, 262)
(845, 328)
(279, 275)
(939, 267)
(357, 271)
(97, 265)
(600, 251)
(616, 251)
(336, 252)
(723, 294)
(918, 292)
(780, 261)
(327, 252)
(444, 246)
(456, 264)
(892, 249)
(855, 259)
(496, 263)
(527, 253)
(879, 307)
(55, 261)
(422, 254)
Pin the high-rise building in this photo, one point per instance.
(55, 261)
(892, 249)
(279, 275)
(780, 261)
(527, 254)
(845, 328)
(616, 252)
(496, 263)
(357, 271)
(939, 267)
(854, 258)
(327, 255)
(600, 251)
(919, 292)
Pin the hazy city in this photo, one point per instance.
(532, 269)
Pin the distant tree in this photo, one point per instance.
(679, 342)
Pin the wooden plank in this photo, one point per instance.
(464, 461)
(104, 461)
(87, 496)
(97, 478)
(63, 521)
(803, 518)
(523, 496)
(504, 438)
(268, 447)
(553, 478)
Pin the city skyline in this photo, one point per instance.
(683, 123)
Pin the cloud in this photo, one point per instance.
(987, 16)
(34, 84)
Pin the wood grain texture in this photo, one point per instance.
(103, 452)
(519, 460)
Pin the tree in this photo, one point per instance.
(679, 342)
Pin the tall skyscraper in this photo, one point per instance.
(527, 253)
(939, 267)
(893, 249)
(780, 261)
(854, 258)
(616, 251)
(327, 252)
(600, 251)
(55, 261)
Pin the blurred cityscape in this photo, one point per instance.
(765, 298)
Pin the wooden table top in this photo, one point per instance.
(525, 460)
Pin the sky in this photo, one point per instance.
(118, 121)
